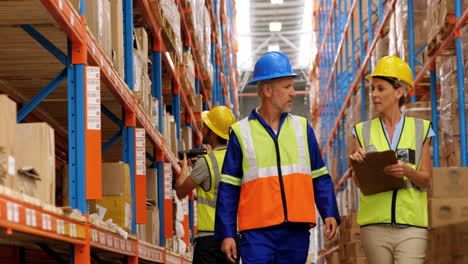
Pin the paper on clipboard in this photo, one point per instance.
(370, 174)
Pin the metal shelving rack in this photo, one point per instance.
(346, 39)
(84, 145)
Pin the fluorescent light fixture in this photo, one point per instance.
(274, 47)
(276, 2)
(275, 26)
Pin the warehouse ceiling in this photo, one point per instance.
(265, 25)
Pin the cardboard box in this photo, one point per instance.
(449, 182)
(152, 185)
(117, 208)
(198, 103)
(447, 211)
(117, 35)
(115, 179)
(152, 225)
(461, 239)
(7, 141)
(35, 148)
(354, 250)
(441, 240)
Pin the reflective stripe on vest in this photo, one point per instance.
(273, 193)
(206, 200)
(408, 205)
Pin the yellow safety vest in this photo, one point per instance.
(277, 184)
(206, 200)
(406, 206)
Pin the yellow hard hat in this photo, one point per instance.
(394, 67)
(219, 119)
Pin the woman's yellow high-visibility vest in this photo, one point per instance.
(206, 199)
(406, 206)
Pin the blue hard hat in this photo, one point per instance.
(271, 65)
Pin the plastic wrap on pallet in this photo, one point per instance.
(392, 47)
(449, 122)
(172, 15)
(189, 70)
(401, 24)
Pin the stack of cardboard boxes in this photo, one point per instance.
(149, 232)
(350, 250)
(27, 155)
(448, 216)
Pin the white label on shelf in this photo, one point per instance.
(46, 222)
(94, 98)
(11, 165)
(140, 152)
(73, 230)
(102, 238)
(185, 204)
(94, 123)
(60, 227)
(141, 161)
(141, 170)
(129, 246)
(93, 85)
(28, 217)
(60, 4)
(93, 72)
(140, 142)
(167, 186)
(13, 212)
(116, 243)
(122, 244)
(94, 111)
(140, 132)
(109, 240)
(94, 235)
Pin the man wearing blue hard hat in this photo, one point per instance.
(273, 176)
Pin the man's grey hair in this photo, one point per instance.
(260, 86)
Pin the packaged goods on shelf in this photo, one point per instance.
(198, 103)
(445, 211)
(155, 112)
(449, 119)
(115, 204)
(401, 24)
(149, 232)
(207, 43)
(439, 25)
(117, 36)
(142, 82)
(35, 158)
(7, 141)
(449, 182)
(152, 186)
(187, 137)
(98, 20)
(418, 110)
(172, 15)
(189, 71)
(447, 244)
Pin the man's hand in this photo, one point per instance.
(229, 248)
(331, 226)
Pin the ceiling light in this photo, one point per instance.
(274, 47)
(276, 2)
(275, 26)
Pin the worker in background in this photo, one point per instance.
(273, 176)
(394, 223)
(205, 177)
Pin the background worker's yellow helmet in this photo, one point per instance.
(219, 119)
(393, 67)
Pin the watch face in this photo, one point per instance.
(403, 155)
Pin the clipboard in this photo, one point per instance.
(370, 174)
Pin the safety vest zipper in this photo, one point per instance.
(280, 176)
(394, 196)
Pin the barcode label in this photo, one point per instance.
(60, 227)
(92, 73)
(13, 212)
(140, 133)
(109, 240)
(167, 186)
(72, 230)
(93, 85)
(72, 18)
(141, 170)
(140, 152)
(94, 111)
(94, 98)
(31, 217)
(94, 123)
(140, 142)
(141, 161)
(60, 4)
(94, 235)
(102, 237)
(46, 222)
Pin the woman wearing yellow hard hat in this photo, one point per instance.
(394, 223)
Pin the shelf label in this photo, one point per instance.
(73, 230)
(94, 235)
(185, 205)
(102, 237)
(109, 240)
(140, 151)
(129, 246)
(13, 212)
(167, 181)
(122, 244)
(72, 18)
(60, 4)
(31, 217)
(60, 227)
(93, 99)
(46, 222)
